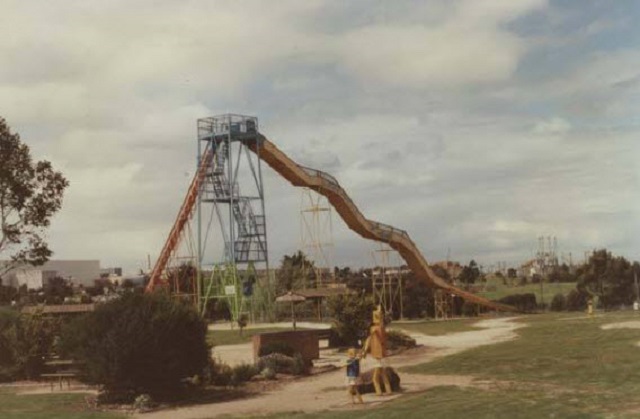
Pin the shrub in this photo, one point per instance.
(143, 403)
(523, 302)
(221, 374)
(277, 362)
(26, 340)
(351, 317)
(242, 373)
(299, 366)
(268, 373)
(140, 343)
(576, 300)
(558, 303)
(276, 348)
(397, 339)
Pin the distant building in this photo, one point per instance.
(33, 278)
(106, 272)
(78, 272)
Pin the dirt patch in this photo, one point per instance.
(631, 324)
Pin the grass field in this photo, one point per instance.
(562, 366)
(543, 294)
(48, 406)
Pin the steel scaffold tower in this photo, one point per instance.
(232, 192)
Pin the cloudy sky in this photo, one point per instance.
(475, 125)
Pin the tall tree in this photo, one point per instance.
(470, 273)
(296, 271)
(30, 194)
(609, 277)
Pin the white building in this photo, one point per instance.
(78, 272)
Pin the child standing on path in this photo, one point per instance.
(353, 372)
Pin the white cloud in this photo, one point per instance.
(552, 127)
(419, 110)
(470, 47)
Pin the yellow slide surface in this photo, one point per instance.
(399, 240)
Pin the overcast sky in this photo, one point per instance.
(475, 125)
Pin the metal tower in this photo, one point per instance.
(316, 234)
(232, 192)
(387, 281)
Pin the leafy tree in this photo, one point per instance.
(417, 298)
(470, 273)
(30, 194)
(56, 290)
(296, 271)
(611, 278)
(182, 280)
(562, 273)
(576, 300)
(351, 317)
(26, 340)
(139, 343)
(8, 294)
(559, 302)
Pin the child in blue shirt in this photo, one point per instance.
(353, 372)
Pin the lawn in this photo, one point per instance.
(561, 365)
(543, 294)
(48, 406)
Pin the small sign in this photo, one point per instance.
(230, 290)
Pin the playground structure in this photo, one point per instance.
(316, 235)
(227, 129)
(386, 281)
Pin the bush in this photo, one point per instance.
(300, 366)
(220, 374)
(276, 348)
(351, 317)
(576, 300)
(523, 302)
(558, 303)
(268, 373)
(140, 343)
(26, 340)
(242, 373)
(397, 339)
(143, 403)
(277, 362)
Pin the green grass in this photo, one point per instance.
(453, 402)
(48, 406)
(436, 328)
(561, 365)
(546, 294)
(233, 337)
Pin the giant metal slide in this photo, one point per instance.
(328, 186)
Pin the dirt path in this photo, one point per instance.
(327, 392)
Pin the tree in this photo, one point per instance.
(470, 273)
(610, 278)
(56, 290)
(296, 271)
(351, 317)
(139, 343)
(26, 340)
(30, 194)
